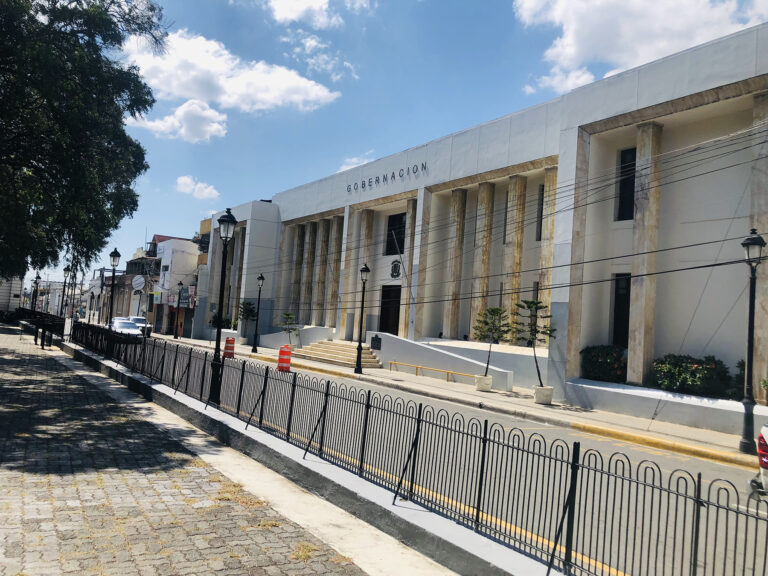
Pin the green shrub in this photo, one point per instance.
(706, 376)
(604, 363)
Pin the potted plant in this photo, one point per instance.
(492, 326)
(289, 326)
(531, 327)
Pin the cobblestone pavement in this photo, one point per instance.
(87, 488)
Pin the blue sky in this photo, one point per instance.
(258, 96)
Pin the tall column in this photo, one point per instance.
(454, 264)
(310, 241)
(513, 241)
(365, 251)
(547, 246)
(642, 306)
(298, 258)
(481, 265)
(419, 267)
(282, 296)
(332, 285)
(348, 274)
(759, 219)
(321, 268)
(578, 243)
(407, 285)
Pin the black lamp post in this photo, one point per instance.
(364, 272)
(34, 292)
(114, 260)
(227, 224)
(178, 301)
(64, 290)
(753, 248)
(260, 280)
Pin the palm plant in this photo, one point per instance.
(492, 326)
(531, 326)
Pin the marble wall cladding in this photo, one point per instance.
(365, 250)
(320, 272)
(334, 263)
(481, 265)
(298, 259)
(407, 284)
(453, 265)
(513, 245)
(759, 220)
(419, 268)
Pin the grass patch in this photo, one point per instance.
(269, 524)
(303, 551)
(339, 559)
(231, 492)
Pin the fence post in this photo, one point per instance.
(697, 503)
(162, 362)
(481, 478)
(290, 407)
(202, 376)
(263, 396)
(240, 390)
(325, 408)
(365, 432)
(173, 372)
(189, 368)
(415, 453)
(571, 507)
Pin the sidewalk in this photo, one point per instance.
(706, 444)
(92, 485)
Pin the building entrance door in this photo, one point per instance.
(621, 286)
(389, 316)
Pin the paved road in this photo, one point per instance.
(90, 489)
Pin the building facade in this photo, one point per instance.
(620, 205)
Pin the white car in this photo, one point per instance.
(125, 327)
(141, 322)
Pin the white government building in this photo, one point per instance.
(661, 168)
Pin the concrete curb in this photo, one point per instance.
(438, 549)
(719, 456)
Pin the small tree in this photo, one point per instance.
(532, 327)
(492, 326)
(246, 312)
(288, 325)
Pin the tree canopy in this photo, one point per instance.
(67, 165)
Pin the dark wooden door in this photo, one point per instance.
(389, 316)
(621, 286)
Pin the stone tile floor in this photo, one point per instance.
(87, 488)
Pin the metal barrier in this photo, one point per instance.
(418, 367)
(584, 513)
(47, 324)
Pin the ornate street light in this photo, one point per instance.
(178, 301)
(63, 290)
(227, 223)
(753, 249)
(260, 280)
(114, 260)
(364, 272)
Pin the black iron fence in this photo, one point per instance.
(42, 321)
(581, 512)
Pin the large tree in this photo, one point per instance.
(67, 165)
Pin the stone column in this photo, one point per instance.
(365, 251)
(407, 286)
(547, 246)
(284, 267)
(419, 267)
(578, 239)
(298, 258)
(759, 219)
(454, 264)
(321, 267)
(513, 241)
(310, 242)
(349, 274)
(642, 307)
(481, 265)
(332, 286)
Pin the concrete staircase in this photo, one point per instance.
(338, 352)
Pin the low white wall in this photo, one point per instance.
(410, 352)
(707, 413)
(305, 337)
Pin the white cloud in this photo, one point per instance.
(199, 190)
(528, 89)
(193, 121)
(626, 33)
(358, 6)
(316, 13)
(196, 68)
(317, 55)
(353, 161)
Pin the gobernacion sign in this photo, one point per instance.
(387, 178)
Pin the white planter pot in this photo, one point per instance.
(483, 383)
(242, 340)
(543, 394)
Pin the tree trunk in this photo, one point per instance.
(488, 361)
(536, 361)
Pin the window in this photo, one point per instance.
(625, 205)
(396, 242)
(540, 212)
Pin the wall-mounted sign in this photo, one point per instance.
(157, 297)
(387, 178)
(184, 297)
(395, 271)
(138, 282)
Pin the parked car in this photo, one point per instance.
(141, 322)
(126, 328)
(759, 484)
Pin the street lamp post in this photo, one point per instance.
(227, 224)
(260, 280)
(114, 260)
(63, 290)
(178, 301)
(364, 271)
(753, 248)
(34, 293)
